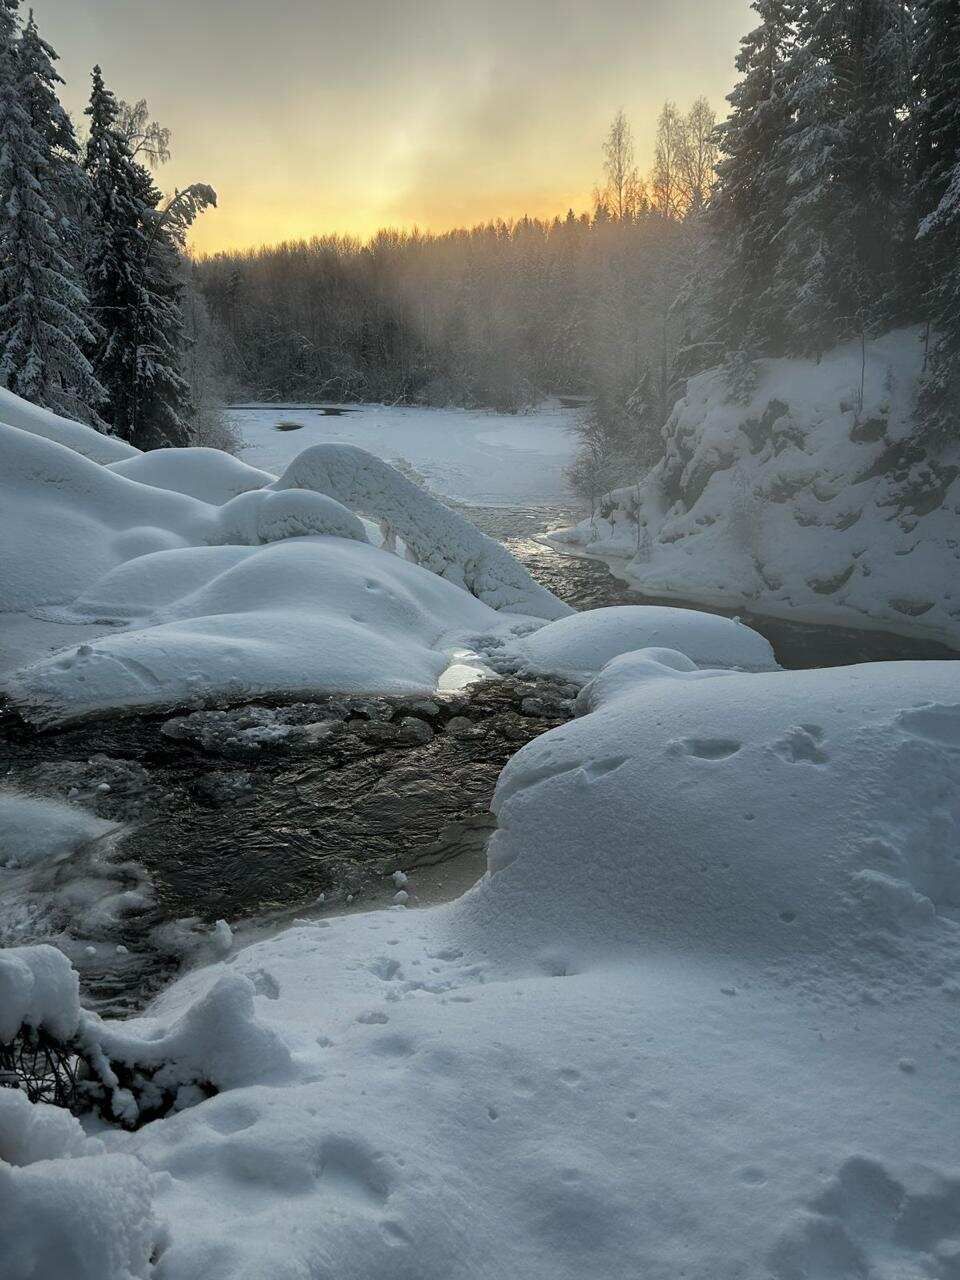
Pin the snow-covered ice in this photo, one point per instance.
(799, 503)
(698, 1019)
(474, 457)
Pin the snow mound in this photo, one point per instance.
(435, 537)
(39, 989)
(317, 615)
(260, 517)
(276, 590)
(32, 1132)
(88, 1218)
(96, 446)
(799, 503)
(818, 811)
(207, 474)
(33, 830)
(582, 644)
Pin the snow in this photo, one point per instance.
(147, 584)
(473, 457)
(797, 504)
(39, 989)
(585, 642)
(699, 1017)
(34, 830)
(17, 412)
(207, 474)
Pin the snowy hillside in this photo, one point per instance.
(798, 503)
(186, 576)
(699, 1019)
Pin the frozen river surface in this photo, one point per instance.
(467, 456)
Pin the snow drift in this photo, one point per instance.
(698, 1019)
(800, 502)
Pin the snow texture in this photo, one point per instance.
(699, 1017)
(800, 503)
(39, 989)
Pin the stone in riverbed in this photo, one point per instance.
(414, 731)
(461, 727)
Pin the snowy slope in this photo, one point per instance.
(699, 1020)
(798, 503)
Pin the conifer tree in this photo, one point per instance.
(749, 204)
(937, 194)
(135, 284)
(43, 307)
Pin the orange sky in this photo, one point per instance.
(310, 116)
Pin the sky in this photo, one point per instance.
(317, 116)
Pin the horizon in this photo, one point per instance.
(382, 121)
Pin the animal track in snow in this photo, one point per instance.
(704, 748)
(345, 1167)
(800, 745)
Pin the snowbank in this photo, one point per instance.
(39, 989)
(584, 643)
(96, 446)
(698, 1019)
(207, 474)
(186, 584)
(798, 503)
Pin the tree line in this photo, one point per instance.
(498, 315)
(91, 277)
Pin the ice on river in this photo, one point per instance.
(473, 457)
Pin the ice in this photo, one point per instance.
(34, 830)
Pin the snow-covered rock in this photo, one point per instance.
(436, 537)
(39, 989)
(799, 503)
(582, 644)
(207, 474)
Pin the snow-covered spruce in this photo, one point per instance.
(799, 503)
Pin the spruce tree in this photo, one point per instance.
(133, 272)
(43, 307)
(937, 195)
(749, 203)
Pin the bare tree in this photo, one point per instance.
(665, 181)
(624, 196)
(144, 137)
(697, 156)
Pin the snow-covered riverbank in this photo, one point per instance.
(798, 502)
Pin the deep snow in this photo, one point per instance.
(698, 1019)
(798, 503)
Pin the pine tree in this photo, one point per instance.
(43, 308)
(749, 204)
(937, 195)
(134, 282)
